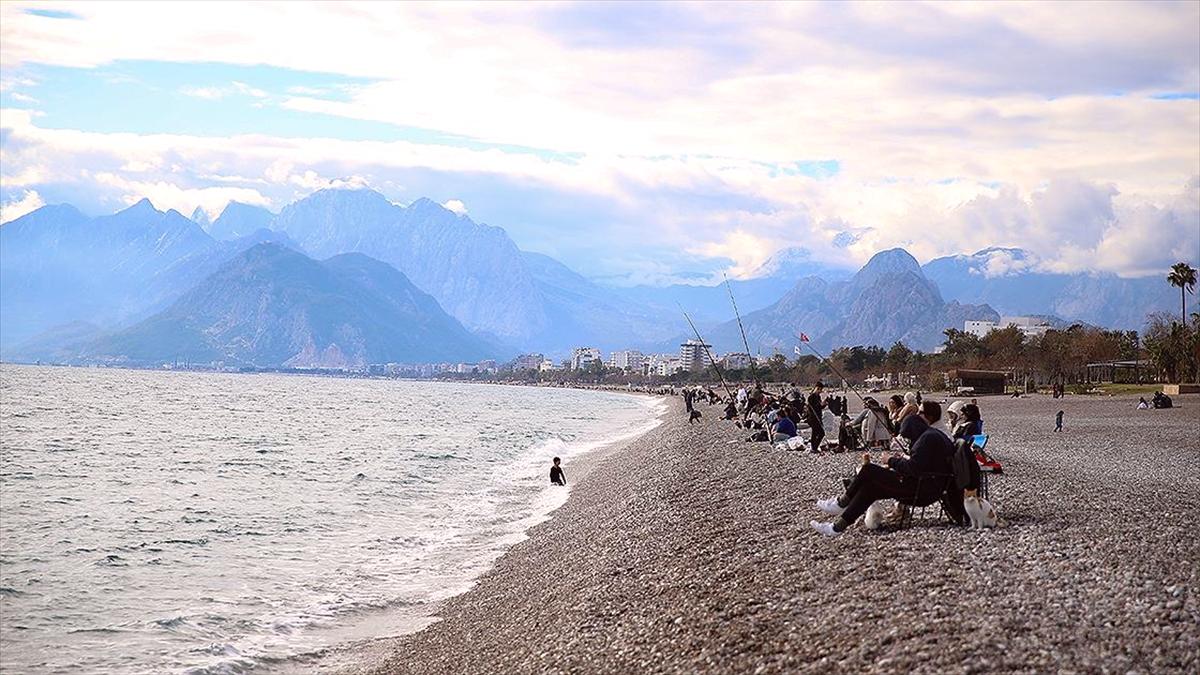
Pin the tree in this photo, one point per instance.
(1183, 275)
(898, 357)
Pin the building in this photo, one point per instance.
(737, 361)
(979, 328)
(663, 365)
(694, 355)
(545, 366)
(1030, 326)
(528, 362)
(628, 359)
(965, 381)
(668, 366)
(582, 357)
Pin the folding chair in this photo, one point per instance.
(923, 501)
(980, 441)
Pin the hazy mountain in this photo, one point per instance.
(475, 271)
(58, 266)
(584, 313)
(1009, 280)
(240, 220)
(200, 217)
(272, 306)
(709, 303)
(889, 299)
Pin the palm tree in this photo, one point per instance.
(1183, 275)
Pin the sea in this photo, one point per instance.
(184, 522)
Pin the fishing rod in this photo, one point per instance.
(829, 362)
(745, 342)
(710, 356)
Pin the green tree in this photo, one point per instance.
(962, 346)
(898, 357)
(1183, 275)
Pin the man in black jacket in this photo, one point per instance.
(920, 478)
(813, 416)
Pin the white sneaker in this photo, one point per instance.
(824, 528)
(830, 506)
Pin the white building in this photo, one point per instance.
(662, 364)
(546, 366)
(582, 356)
(694, 355)
(668, 366)
(979, 328)
(628, 359)
(528, 362)
(1028, 325)
(737, 361)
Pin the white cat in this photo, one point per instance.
(877, 513)
(980, 511)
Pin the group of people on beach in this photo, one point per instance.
(928, 461)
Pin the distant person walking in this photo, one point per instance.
(1058, 421)
(557, 477)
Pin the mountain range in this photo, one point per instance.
(890, 299)
(1009, 279)
(64, 275)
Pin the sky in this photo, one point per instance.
(636, 142)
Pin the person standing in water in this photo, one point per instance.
(1058, 421)
(557, 477)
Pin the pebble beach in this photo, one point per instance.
(688, 550)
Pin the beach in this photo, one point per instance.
(687, 550)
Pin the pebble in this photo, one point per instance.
(682, 552)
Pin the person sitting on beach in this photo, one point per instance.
(783, 429)
(557, 477)
(911, 407)
(873, 423)
(931, 455)
(969, 424)
(894, 404)
(731, 411)
(1142, 404)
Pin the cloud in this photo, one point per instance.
(747, 251)
(845, 128)
(217, 93)
(28, 201)
(207, 93)
(455, 206)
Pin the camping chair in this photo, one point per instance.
(980, 441)
(923, 501)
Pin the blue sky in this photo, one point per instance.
(637, 142)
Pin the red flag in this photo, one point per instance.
(803, 337)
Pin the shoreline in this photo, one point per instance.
(687, 550)
(361, 655)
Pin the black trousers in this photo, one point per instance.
(818, 432)
(873, 483)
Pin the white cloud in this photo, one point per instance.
(216, 93)
(207, 93)
(956, 126)
(28, 201)
(455, 206)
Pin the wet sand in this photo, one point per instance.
(687, 550)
